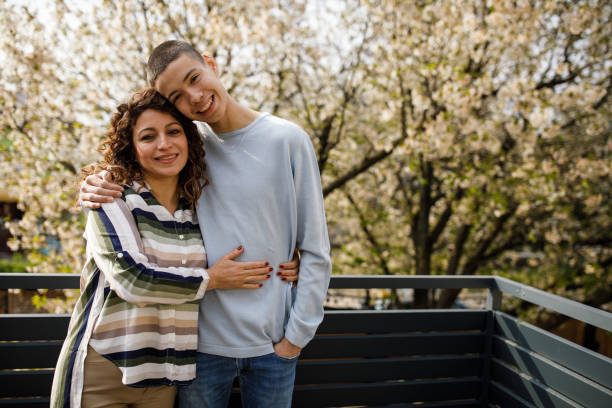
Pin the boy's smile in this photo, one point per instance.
(208, 105)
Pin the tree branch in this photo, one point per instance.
(369, 235)
(444, 218)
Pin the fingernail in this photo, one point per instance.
(267, 276)
(267, 263)
(278, 273)
(239, 248)
(281, 265)
(284, 279)
(260, 285)
(270, 269)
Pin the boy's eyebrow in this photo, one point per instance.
(169, 97)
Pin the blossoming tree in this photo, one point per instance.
(453, 136)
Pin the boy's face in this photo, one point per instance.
(194, 88)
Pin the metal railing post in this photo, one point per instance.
(494, 299)
(493, 303)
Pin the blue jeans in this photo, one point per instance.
(265, 382)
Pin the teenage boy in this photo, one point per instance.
(264, 194)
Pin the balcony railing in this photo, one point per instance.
(416, 357)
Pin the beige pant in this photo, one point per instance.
(102, 388)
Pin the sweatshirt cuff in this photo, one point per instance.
(203, 284)
(297, 337)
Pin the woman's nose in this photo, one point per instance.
(164, 142)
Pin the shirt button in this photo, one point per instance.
(120, 255)
(184, 261)
(181, 236)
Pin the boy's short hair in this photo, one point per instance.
(164, 54)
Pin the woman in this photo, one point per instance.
(133, 332)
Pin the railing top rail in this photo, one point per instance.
(411, 281)
(12, 280)
(71, 281)
(571, 308)
(596, 317)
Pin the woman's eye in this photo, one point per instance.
(194, 78)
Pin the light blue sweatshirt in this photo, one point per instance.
(264, 194)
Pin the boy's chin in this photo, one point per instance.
(196, 116)
(190, 115)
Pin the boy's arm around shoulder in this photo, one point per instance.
(98, 188)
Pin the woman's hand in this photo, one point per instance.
(229, 274)
(289, 271)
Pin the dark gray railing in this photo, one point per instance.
(495, 286)
(431, 357)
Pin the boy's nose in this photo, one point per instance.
(194, 96)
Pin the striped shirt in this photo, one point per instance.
(143, 280)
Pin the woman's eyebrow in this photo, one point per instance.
(145, 129)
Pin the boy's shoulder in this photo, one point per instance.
(277, 127)
(281, 123)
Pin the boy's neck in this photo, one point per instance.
(236, 117)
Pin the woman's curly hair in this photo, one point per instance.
(119, 154)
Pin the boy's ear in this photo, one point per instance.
(210, 61)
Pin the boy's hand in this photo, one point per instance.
(286, 349)
(98, 188)
(289, 271)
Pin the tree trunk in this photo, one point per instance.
(448, 296)
(420, 235)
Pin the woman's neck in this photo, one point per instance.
(165, 191)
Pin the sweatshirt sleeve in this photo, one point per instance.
(313, 242)
(114, 243)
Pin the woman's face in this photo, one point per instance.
(160, 144)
